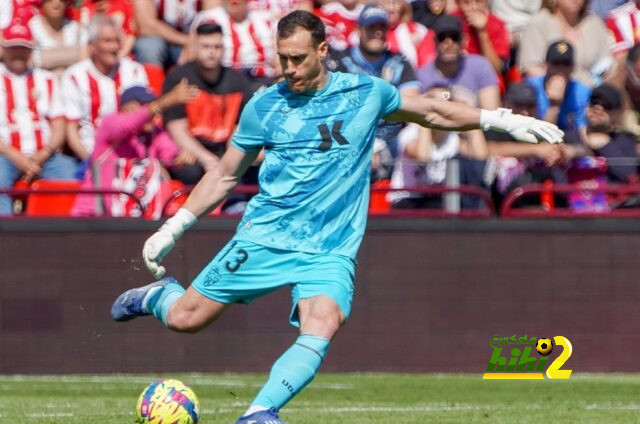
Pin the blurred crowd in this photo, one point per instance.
(133, 94)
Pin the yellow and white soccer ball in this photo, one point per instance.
(168, 401)
(544, 346)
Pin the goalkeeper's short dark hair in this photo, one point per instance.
(302, 19)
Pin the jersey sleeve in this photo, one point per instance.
(389, 97)
(249, 134)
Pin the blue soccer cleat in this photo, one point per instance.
(270, 416)
(132, 303)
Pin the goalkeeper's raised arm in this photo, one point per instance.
(445, 115)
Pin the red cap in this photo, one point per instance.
(17, 34)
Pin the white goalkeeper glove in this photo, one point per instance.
(162, 241)
(522, 128)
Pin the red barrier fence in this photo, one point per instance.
(46, 201)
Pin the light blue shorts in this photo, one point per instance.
(243, 271)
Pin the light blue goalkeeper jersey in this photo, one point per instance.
(314, 181)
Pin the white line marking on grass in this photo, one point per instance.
(612, 406)
(435, 407)
(49, 414)
(191, 380)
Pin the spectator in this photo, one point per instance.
(522, 163)
(32, 117)
(247, 37)
(567, 20)
(371, 57)
(604, 138)
(632, 87)
(121, 11)
(483, 32)
(427, 12)
(624, 24)
(516, 14)
(163, 28)
(452, 67)
(561, 98)
(409, 38)
(341, 19)
(203, 126)
(59, 42)
(92, 86)
(129, 143)
(12, 10)
(423, 154)
(279, 8)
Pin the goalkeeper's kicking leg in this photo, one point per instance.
(183, 311)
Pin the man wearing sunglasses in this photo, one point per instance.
(454, 68)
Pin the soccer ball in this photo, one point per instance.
(168, 401)
(544, 346)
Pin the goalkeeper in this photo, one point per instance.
(304, 227)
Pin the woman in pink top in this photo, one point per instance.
(128, 140)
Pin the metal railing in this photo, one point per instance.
(616, 194)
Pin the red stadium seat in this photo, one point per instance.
(155, 75)
(173, 196)
(379, 202)
(51, 204)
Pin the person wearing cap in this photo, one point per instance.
(568, 20)
(32, 125)
(605, 136)
(371, 57)
(203, 126)
(561, 98)
(93, 85)
(453, 67)
(483, 32)
(130, 135)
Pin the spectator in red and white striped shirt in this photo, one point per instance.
(341, 20)
(92, 87)
(407, 37)
(247, 36)
(163, 26)
(624, 24)
(279, 8)
(31, 117)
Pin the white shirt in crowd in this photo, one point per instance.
(73, 35)
(90, 95)
(27, 104)
(408, 173)
(178, 13)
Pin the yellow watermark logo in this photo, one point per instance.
(522, 365)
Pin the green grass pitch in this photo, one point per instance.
(335, 398)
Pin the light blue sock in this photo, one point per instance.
(160, 301)
(292, 371)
